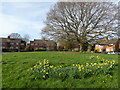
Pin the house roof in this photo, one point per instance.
(112, 41)
(11, 40)
(43, 41)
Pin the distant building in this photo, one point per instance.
(12, 44)
(108, 45)
(44, 45)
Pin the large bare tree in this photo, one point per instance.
(85, 22)
(26, 37)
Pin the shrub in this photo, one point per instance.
(75, 50)
(42, 49)
(88, 50)
(10, 50)
(65, 49)
(97, 50)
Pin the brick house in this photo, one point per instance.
(45, 45)
(108, 45)
(12, 44)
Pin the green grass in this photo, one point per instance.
(16, 74)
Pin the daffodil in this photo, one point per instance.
(113, 60)
(82, 67)
(60, 66)
(51, 66)
(79, 67)
(46, 72)
(110, 76)
(45, 59)
(110, 66)
(98, 66)
(35, 66)
(90, 70)
(44, 66)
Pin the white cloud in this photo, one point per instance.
(29, 0)
(23, 18)
(12, 24)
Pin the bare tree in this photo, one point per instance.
(26, 37)
(15, 35)
(85, 22)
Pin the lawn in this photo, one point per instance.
(19, 70)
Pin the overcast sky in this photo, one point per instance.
(23, 18)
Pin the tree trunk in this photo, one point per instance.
(83, 47)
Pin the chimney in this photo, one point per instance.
(9, 37)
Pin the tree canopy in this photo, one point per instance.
(85, 22)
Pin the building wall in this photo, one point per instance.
(100, 48)
(117, 47)
(107, 48)
(110, 48)
(42, 46)
(13, 44)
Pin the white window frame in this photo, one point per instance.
(41, 48)
(107, 49)
(17, 43)
(17, 47)
(11, 43)
(36, 43)
(22, 44)
(3, 47)
(32, 43)
(11, 47)
(3, 43)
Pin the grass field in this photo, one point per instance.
(17, 72)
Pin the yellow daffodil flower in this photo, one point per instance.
(82, 67)
(73, 64)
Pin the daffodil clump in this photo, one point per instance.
(44, 70)
(102, 66)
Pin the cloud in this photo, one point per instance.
(10, 24)
(29, 0)
(23, 18)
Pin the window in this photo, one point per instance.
(17, 43)
(32, 43)
(11, 47)
(17, 48)
(3, 43)
(3, 47)
(42, 44)
(107, 49)
(36, 44)
(22, 43)
(0, 47)
(11, 43)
